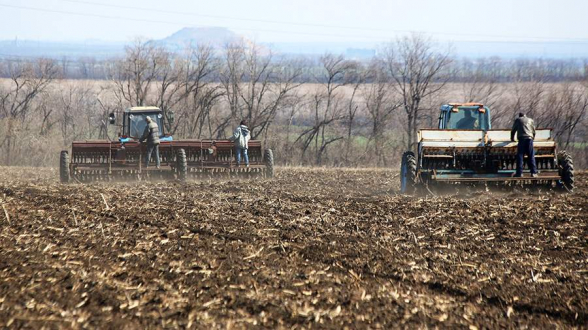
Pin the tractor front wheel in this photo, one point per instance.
(64, 174)
(408, 173)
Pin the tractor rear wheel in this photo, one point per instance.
(268, 158)
(566, 171)
(408, 173)
(64, 174)
(181, 164)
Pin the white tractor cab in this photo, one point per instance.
(464, 116)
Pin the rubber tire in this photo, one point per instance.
(268, 158)
(181, 165)
(64, 175)
(408, 173)
(566, 171)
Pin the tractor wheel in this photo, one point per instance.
(268, 158)
(566, 171)
(408, 173)
(181, 164)
(64, 166)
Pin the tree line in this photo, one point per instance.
(554, 69)
(324, 111)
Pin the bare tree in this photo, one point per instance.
(46, 107)
(295, 105)
(202, 94)
(257, 84)
(480, 80)
(231, 76)
(87, 68)
(134, 75)
(75, 112)
(327, 105)
(525, 94)
(416, 69)
(529, 89)
(169, 87)
(65, 63)
(380, 105)
(106, 104)
(357, 78)
(27, 81)
(564, 109)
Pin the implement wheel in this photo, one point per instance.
(566, 171)
(181, 165)
(268, 158)
(408, 173)
(64, 174)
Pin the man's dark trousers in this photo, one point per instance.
(525, 147)
(150, 149)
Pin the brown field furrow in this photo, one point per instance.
(313, 248)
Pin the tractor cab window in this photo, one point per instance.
(137, 123)
(467, 119)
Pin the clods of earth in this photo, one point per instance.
(312, 248)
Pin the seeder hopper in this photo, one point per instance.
(124, 158)
(465, 150)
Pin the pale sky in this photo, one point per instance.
(298, 20)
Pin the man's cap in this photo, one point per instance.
(148, 119)
(521, 114)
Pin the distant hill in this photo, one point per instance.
(214, 36)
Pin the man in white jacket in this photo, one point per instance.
(241, 138)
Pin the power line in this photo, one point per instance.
(307, 24)
(178, 23)
(265, 21)
(228, 17)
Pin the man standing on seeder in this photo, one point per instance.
(524, 127)
(241, 138)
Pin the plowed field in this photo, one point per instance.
(313, 248)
